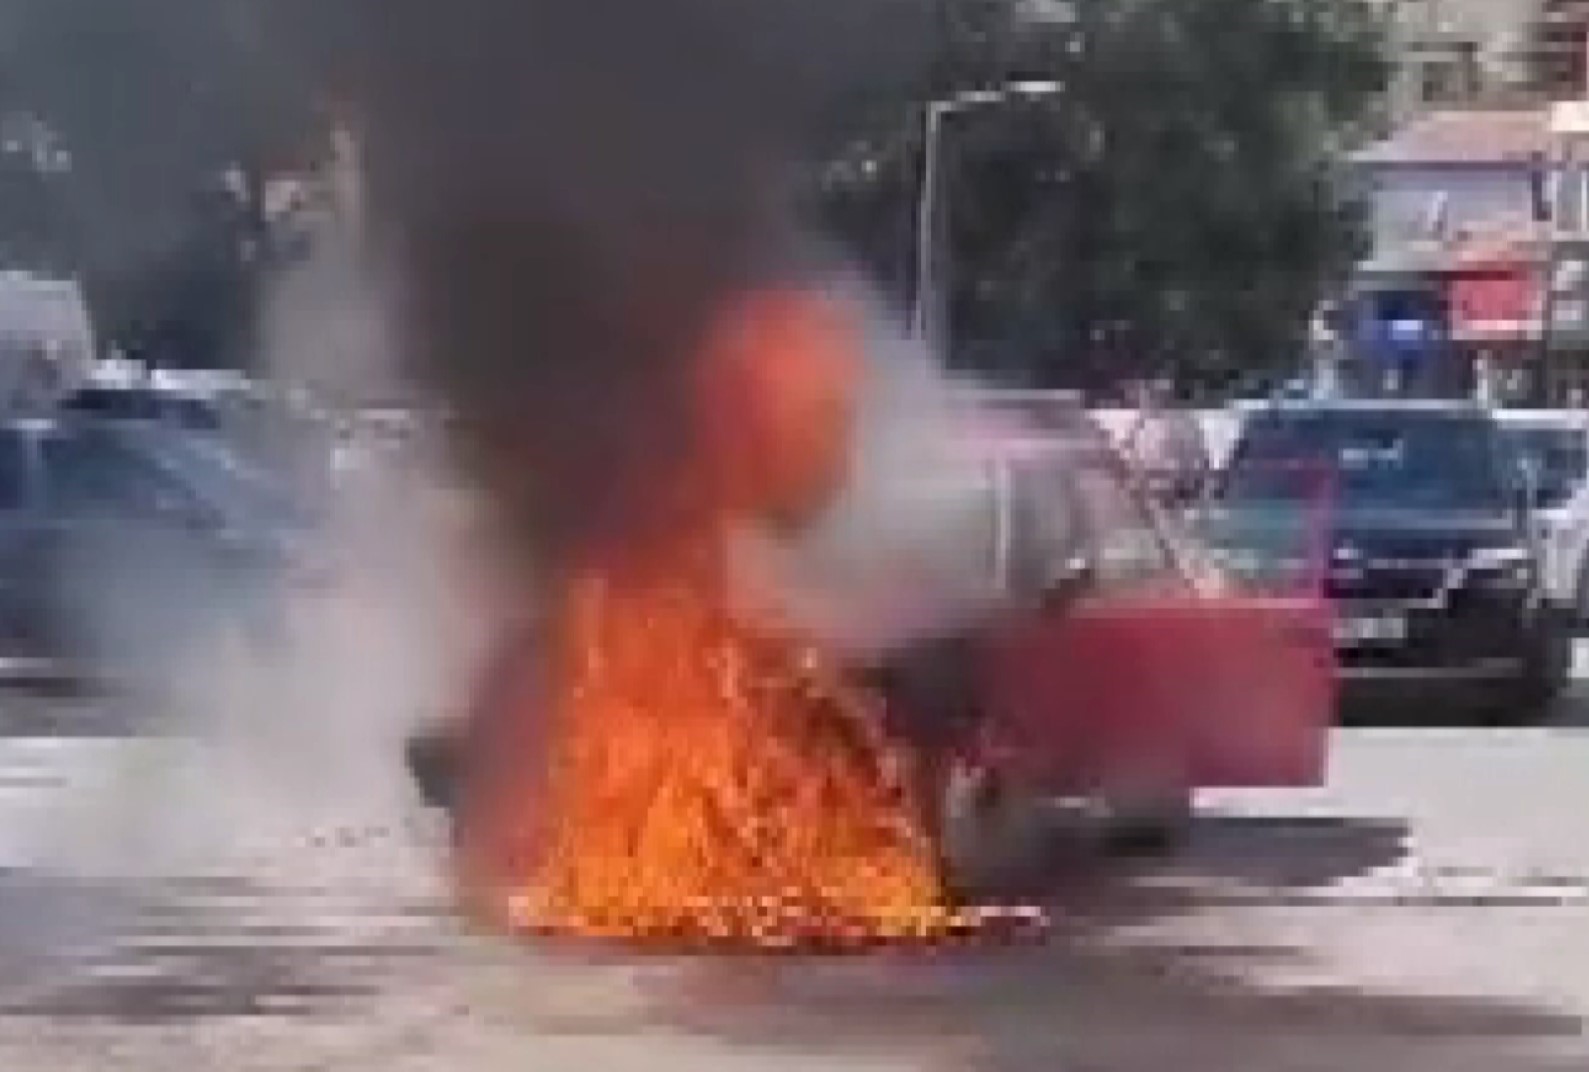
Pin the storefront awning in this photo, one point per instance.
(1496, 304)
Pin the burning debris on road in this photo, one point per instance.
(581, 202)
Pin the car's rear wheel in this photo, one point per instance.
(1147, 824)
(989, 832)
(1532, 697)
(1144, 805)
(431, 756)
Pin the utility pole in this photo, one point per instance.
(929, 311)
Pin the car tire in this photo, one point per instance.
(988, 833)
(1147, 825)
(1531, 700)
(432, 758)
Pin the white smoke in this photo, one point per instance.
(281, 754)
(908, 552)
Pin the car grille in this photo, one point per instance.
(1388, 582)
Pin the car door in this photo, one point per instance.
(132, 563)
(1123, 668)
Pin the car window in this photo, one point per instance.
(1070, 507)
(215, 471)
(966, 546)
(89, 473)
(943, 531)
(107, 402)
(144, 405)
(1045, 533)
(1558, 454)
(1127, 547)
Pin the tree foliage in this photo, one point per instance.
(1176, 208)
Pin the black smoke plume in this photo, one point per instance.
(567, 190)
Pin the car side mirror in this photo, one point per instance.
(1072, 580)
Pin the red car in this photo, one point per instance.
(1114, 664)
(1123, 669)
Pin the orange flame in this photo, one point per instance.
(711, 779)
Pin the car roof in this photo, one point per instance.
(30, 426)
(42, 425)
(1543, 418)
(1458, 407)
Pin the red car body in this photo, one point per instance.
(1156, 672)
(1154, 677)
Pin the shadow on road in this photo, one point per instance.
(1292, 851)
(1120, 986)
(208, 948)
(1077, 1004)
(1445, 710)
(1100, 995)
(1111, 989)
(1232, 857)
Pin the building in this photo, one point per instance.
(1458, 53)
(1454, 172)
(1480, 199)
(1453, 293)
(1558, 49)
(47, 340)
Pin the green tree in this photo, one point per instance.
(1176, 208)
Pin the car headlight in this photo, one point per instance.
(1507, 567)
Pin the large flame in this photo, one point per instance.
(710, 778)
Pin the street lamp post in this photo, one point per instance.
(927, 311)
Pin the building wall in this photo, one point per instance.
(1557, 49)
(1492, 38)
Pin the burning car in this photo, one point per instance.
(1110, 664)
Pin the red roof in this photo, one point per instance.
(1464, 136)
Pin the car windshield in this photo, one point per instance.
(88, 472)
(1376, 460)
(1558, 456)
(218, 473)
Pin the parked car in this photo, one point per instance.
(1111, 668)
(1554, 447)
(253, 496)
(113, 555)
(1434, 561)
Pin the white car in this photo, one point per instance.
(1554, 444)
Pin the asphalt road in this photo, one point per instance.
(1428, 910)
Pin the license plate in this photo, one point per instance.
(1359, 629)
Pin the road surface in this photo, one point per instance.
(1427, 912)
